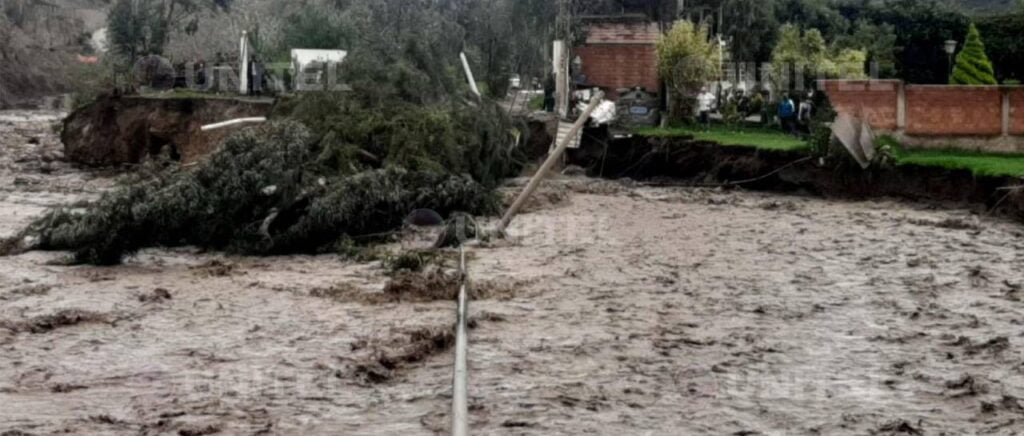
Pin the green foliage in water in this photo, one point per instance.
(333, 170)
(409, 110)
(264, 192)
(358, 133)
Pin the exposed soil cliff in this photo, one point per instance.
(124, 130)
(787, 171)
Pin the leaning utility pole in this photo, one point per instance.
(548, 164)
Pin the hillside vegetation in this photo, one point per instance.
(39, 44)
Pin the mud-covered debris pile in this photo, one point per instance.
(434, 285)
(385, 360)
(47, 323)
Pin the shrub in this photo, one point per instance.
(313, 27)
(687, 60)
(821, 123)
(536, 103)
(731, 115)
(972, 64)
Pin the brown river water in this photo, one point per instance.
(627, 310)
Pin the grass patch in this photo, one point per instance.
(979, 163)
(765, 139)
(536, 103)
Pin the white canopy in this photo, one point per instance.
(302, 57)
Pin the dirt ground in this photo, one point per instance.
(621, 310)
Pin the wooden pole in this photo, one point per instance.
(548, 164)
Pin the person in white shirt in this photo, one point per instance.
(704, 102)
(806, 111)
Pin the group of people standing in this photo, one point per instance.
(793, 117)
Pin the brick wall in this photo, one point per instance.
(619, 52)
(954, 110)
(875, 101)
(930, 110)
(614, 66)
(1017, 111)
(981, 118)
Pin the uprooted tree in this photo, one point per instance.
(284, 188)
(331, 170)
(263, 193)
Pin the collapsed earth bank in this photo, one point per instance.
(701, 162)
(117, 130)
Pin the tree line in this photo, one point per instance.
(901, 38)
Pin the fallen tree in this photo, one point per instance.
(330, 169)
(264, 192)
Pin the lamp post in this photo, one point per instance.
(950, 50)
(577, 70)
(721, 68)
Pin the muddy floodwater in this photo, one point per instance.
(612, 309)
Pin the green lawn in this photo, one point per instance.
(759, 138)
(981, 164)
(536, 103)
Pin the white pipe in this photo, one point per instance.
(469, 74)
(460, 396)
(230, 123)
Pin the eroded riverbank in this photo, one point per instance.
(627, 310)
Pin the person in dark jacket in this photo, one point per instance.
(787, 114)
(256, 76)
(549, 93)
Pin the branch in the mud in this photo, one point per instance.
(11, 246)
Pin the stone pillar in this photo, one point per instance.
(901, 106)
(1006, 111)
(243, 70)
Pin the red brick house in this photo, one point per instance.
(619, 52)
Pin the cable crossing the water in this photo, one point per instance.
(460, 400)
